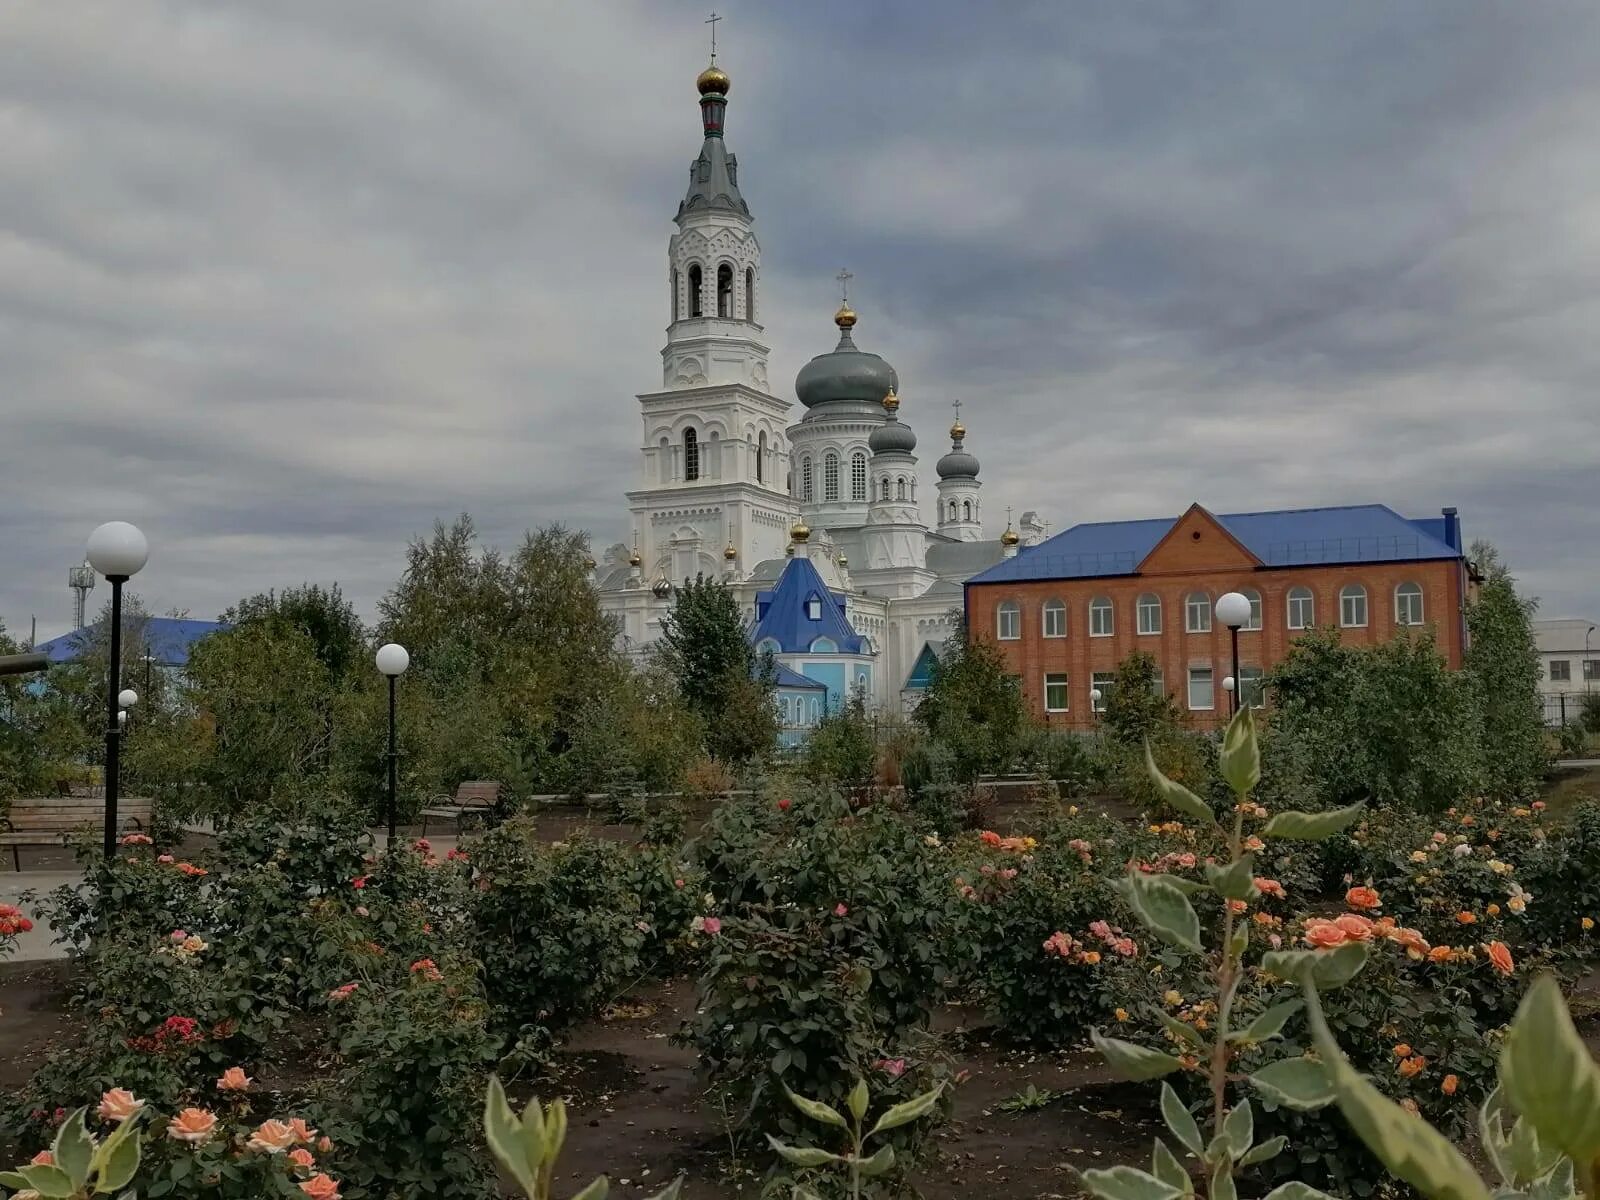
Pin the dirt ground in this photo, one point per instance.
(637, 1114)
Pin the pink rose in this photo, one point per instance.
(840, 910)
(712, 925)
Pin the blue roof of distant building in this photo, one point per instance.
(169, 640)
(781, 614)
(788, 677)
(1285, 538)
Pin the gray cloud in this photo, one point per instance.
(284, 283)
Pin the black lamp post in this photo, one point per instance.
(392, 661)
(117, 550)
(1233, 610)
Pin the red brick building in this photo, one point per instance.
(1067, 610)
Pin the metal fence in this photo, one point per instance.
(1562, 708)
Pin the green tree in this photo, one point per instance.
(322, 614)
(1504, 661)
(843, 748)
(1135, 709)
(719, 675)
(972, 707)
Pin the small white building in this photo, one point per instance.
(1569, 658)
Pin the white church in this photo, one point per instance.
(733, 487)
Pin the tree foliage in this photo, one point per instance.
(973, 706)
(1504, 661)
(720, 678)
(1135, 709)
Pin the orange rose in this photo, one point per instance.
(1500, 957)
(234, 1080)
(1412, 1066)
(1449, 1084)
(1237, 906)
(301, 1157)
(325, 1144)
(1402, 1050)
(1440, 954)
(302, 1131)
(1354, 926)
(192, 1125)
(1415, 944)
(1466, 918)
(320, 1187)
(118, 1105)
(271, 1137)
(1324, 934)
(1362, 897)
(42, 1159)
(1493, 910)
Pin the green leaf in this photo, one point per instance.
(907, 1111)
(1165, 910)
(1265, 1152)
(1236, 881)
(1135, 1063)
(1296, 1083)
(1413, 1150)
(73, 1149)
(595, 1191)
(816, 1110)
(802, 1156)
(1222, 1186)
(1188, 887)
(48, 1181)
(878, 1164)
(1164, 1165)
(859, 1099)
(1128, 1183)
(1549, 1076)
(116, 1167)
(670, 1192)
(1180, 1120)
(1327, 969)
(1297, 1191)
(1180, 1029)
(1268, 1025)
(1239, 1128)
(1311, 827)
(12, 1180)
(1240, 756)
(1175, 794)
(505, 1135)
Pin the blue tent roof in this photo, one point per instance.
(783, 617)
(788, 677)
(1285, 538)
(169, 639)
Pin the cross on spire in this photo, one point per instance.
(956, 404)
(712, 21)
(844, 277)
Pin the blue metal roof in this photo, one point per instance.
(782, 616)
(787, 677)
(169, 640)
(1284, 538)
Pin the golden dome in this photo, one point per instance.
(730, 553)
(1009, 537)
(891, 401)
(845, 318)
(800, 532)
(958, 431)
(633, 559)
(712, 79)
(843, 561)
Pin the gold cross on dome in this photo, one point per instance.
(844, 277)
(712, 21)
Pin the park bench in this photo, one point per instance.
(52, 820)
(475, 800)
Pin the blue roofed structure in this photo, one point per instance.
(1362, 533)
(800, 610)
(821, 659)
(168, 641)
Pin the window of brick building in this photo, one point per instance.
(1302, 608)
(1197, 613)
(1353, 606)
(1008, 621)
(1408, 604)
(1149, 613)
(1055, 692)
(1055, 619)
(1252, 693)
(1254, 597)
(1202, 695)
(1101, 680)
(1101, 620)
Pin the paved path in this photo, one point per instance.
(38, 945)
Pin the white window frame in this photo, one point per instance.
(1297, 596)
(1102, 680)
(1253, 625)
(1057, 609)
(1566, 670)
(1158, 683)
(1057, 679)
(1591, 668)
(1097, 606)
(1142, 608)
(813, 609)
(1211, 688)
(1197, 613)
(1013, 610)
(1348, 594)
(1408, 592)
(1252, 678)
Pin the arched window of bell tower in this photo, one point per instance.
(749, 293)
(724, 290)
(691, 455)
(675, 301)
(761, 457)
(696, 307)
(966, 510)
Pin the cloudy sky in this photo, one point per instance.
(284, 283)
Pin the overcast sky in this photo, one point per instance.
(285, 282)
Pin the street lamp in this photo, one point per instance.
(1233, 610)
(127, 698)
(1095, 696)
(392, 661)
(118, 551)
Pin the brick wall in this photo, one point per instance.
(1175, 650)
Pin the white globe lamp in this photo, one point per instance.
(1233, 609)
(1227, 684)
(393, 660)
(118, 550)
(127, 698)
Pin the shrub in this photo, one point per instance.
(1590, 713)
(555, 925)
(1068, 760)
(843, 749)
